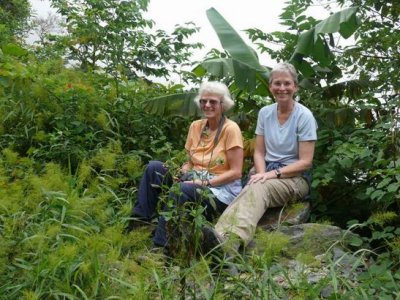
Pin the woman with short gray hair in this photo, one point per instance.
(285, 140)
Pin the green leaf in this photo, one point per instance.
(393, 187)
(14, 50)
(232, 42)
(377, 194)
(180, 104)
(352, 222)
(369, 190)
(312, 44)
(243, 64)
(245, 77)
(356, 241)
(384, 182)
(345, 162)
(219, 67)
(345, 22)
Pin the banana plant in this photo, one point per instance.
(313, 43)
(243, 65)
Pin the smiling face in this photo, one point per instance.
(283, 87)
(211, 105)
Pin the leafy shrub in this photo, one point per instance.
(52, 113)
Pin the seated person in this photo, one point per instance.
(284, 150)
(215, 150)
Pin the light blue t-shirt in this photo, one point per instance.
(282, 141)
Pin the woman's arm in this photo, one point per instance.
(306, 154)
(259, 161)
(187, 166)
(235, 160)
(259, 154)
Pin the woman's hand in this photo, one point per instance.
(182, 171)
(261, 177)
(185, 167)
(198, 182)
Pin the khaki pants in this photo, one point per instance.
(242, 215)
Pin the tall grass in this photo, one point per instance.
(62, 237)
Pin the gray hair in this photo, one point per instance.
(284, 67)
(216, 88)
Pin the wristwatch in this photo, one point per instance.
(278, 173)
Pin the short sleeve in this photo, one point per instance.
(189, 138)
(307, 130)
(260, 123)
(233, 136)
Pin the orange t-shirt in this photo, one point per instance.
(201, 146)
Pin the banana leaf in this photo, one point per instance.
(180, 104)
(313, 44)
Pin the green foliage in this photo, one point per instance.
(383, 230)
(312, 44)
(175, 104)
(14, 16)
(272, 244)
(68, 229)
(115, 34)
(53, 113)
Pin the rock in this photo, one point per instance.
(343, 265)
(292, 214)
(308, 250)
(310, 238)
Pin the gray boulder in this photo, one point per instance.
(292, 214)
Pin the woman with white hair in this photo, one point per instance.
(214, 146)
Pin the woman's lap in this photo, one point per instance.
(242, 216)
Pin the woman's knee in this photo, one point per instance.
(154, 166)
(184, 193)
(302, 188)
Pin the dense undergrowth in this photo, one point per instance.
(62, 237)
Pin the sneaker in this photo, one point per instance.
(226, 247)
(211, 239)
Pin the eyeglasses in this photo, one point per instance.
(212, 102)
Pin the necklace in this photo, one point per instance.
(205, 133)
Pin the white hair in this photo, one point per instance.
(284, 67)
(216, 88)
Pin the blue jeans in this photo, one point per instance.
(155, 176)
